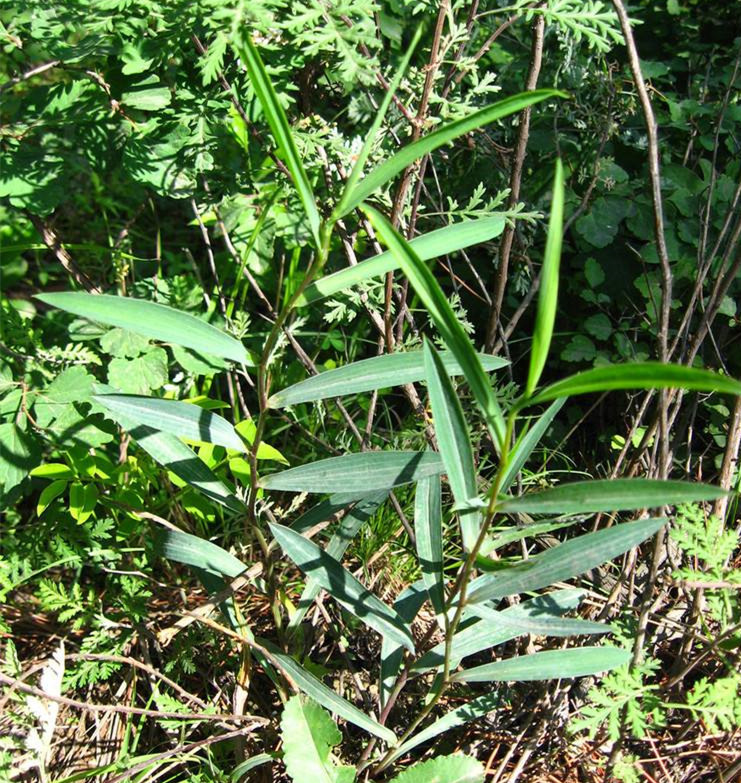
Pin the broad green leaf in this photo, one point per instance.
(431, 245)
(454, 443)
(583, 497)
(348, 527)
(442, 315)
(387, 170)
(526, 444)
(370, 138)
(82, 501)
(49, 494)
(317, 690)
(428, 531)
(545, 625)
(406, 606)
(445, 769)
(643, 375)
(198, 552)
(156, 321)
(342, 586)
(361, 473)
(457, 717)
(182, 419)
(564, 561)
(548, 294)
(279, 127)
(476, 635)
(379, 372)
(53, 470)
(548, 665)
(308, 735)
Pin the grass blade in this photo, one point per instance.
(281, 130)
(642, 375)
(454, 442)
(548, 294)
(583, 497)
(178, 418)
(343, 586)
(379, 372)
(156, 321)
(548, 665)
(428, 530)
(363, 473)
(442, 315)
(564, 561)
(431, 245)
(387, 170)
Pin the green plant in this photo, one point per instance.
(464, 606)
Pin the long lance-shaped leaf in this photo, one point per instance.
(428, 531)
(346, 531)
(526, 445)
(318, 691)
(454, 443)
(322, 512)
(583, 497)
(548, 665)
(199, 553)
(642, 375)
(358, 474)
(342, 586)
(387, 170)
(431, 245)
(458, 717)
(450, 328)
(564, 561)
(175, 456)
(178, 418)
(476, 635)
(370, 138)
(406, 606)
(281, 130)
(379, 372)
(157, 321)
(548, 294)
(541, 626)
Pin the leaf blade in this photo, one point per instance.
(428, 529)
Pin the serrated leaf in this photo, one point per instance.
(564, 561)
(454, 442)
(182, 419)
(444, 769)
(583, 497)
(548, 665)
(308, 735)
(362, 473)
(156, 321)
(342, 586)
(430, 245)
(394, 369)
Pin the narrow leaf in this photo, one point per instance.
(454, 442)
(156, 321)
(546, 625)
(428, 531)
(442, 315)
(548, 294)
(178, 418)
(582, 497)
(379, 372)
(387, 170)
(279, 127)
(548, 665)
(361, 473)
(431, 245)
(317, 690)
(643, 375)
(342, 586)
(199, 553)
(564, 561)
